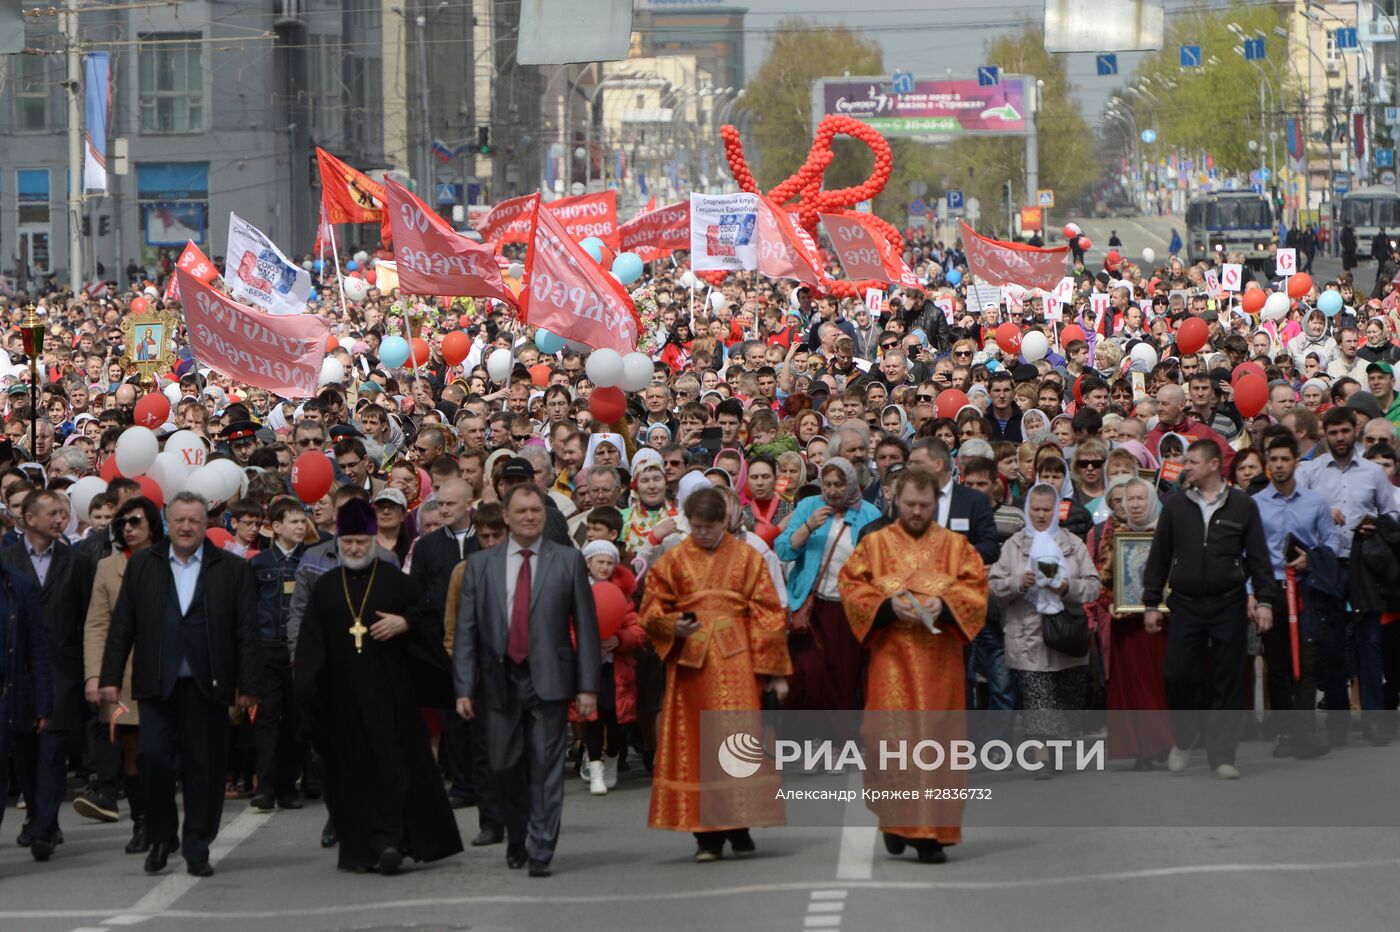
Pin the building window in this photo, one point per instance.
(32, 93)
(172, 83)
(324, 92)
(1334, 54)
(174, 201)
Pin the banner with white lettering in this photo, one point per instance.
(258, 273)
(657, 233)
(432, 258)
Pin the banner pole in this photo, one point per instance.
(340, 282)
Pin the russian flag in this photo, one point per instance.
(441, 150)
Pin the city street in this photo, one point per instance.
(614, 873)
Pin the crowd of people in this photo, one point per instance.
(814, 504)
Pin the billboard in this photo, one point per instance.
(948, 109)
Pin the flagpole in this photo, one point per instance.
(340, 282)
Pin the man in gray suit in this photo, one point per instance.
(520, 602)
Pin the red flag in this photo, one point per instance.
(785, 251)
(435, 259)
(651, 205)
(349, 196)
(864, 253)
(657, 233)
(569, 294)
(509, 221)
(1012, 263)
(196, 263)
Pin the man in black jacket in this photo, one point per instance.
(1209, 541)
(64, 580)
(191, 611)
(26, 700)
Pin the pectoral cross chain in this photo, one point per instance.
(358, 631)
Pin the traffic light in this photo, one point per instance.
(483, 140)
(1006, 194)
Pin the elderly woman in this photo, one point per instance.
(1044, 570)
(821, 534)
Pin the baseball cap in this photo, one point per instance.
(517, 467)
(391, 495)
(1366, 403)
(1381, 366)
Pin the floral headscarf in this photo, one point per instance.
(853, 490)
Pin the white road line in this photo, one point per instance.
(829, 894)
(821, 922)
(90, 929)
(168, 891)
(857, 857)
(826, 906)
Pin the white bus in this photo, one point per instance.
(1368, 210)
(1229, 221)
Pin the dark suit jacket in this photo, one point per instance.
(63, 601)
(564, 656)
(434, 558)
(967, 505)
(24, 654)
(231, 610)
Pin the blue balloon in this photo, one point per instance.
(313, 296)
(627, 267)
(317, 266)
(594, 247)
(1330, 302)
(954, 277)
(352, 265)
(393, 351)
(548, 343)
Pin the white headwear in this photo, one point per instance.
(593, 441)
(1045, 548)
(599, 548)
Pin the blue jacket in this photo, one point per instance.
(26, 691)
(809, 559)
(276, 574)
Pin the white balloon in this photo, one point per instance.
(136, 451)
(1148, 255)
(1276, 306)
(356, 289)
(1034, 346)
(498, 365)
(516, 270)
(687, 279)
(82, 492)
(332, 371)
(191, 447)
(173, 394)
(361, 257)
(1145, 355)
(718, 300)
(604, 367)
(637, 371)
(230, 478)
(205, 482)
(1075, 228)
(170, 472)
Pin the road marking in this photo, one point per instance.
(825, 906)
(857, 858)
(821, 922)
(829, 894)
(170, 889)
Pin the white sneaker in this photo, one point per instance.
(1178, 758)
(596, 785)
(1227, 772)
(610, 771)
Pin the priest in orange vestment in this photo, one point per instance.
(915, 594)
(714, 617)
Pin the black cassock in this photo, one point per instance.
(382, 785)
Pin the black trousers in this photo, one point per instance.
(469, 767)
(1195, 623)
(184, 737)
(41, 769)
(276, 732)
(1294, 699)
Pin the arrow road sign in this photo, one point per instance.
(1107, 63)
(988, 75)
(1190, 56)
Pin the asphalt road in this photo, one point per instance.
(612, 873)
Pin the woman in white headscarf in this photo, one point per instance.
(1044, 570)
(615, 440)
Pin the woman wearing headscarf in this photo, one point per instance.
(1043, 569)
(1135, 656)
(820, 536)
(651, 519)
(762, 507)
(1314, 337)
(1076, 518)
(1035, 426)
(894, 421)
(792, 474)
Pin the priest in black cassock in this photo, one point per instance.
(366, 664)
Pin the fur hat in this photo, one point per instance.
(355, 518)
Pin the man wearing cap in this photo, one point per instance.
(518, 471)
(1380, 379)
(241, 439)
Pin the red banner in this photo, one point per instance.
(194, 261)
(583, 216)
(509, 221)
(657, 233)
(569, 294)
(1012, 263)
(349, 195)
(864, 253)
(435, 259)
(282, 354)
(785, 251)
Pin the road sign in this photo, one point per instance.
(1045, 197)
(902, 82)
(1385, 158)
(447, 194)
(955, 200)
(1254, 49)
(917, 206)
(988, 75)
(1286, 262)
(1345, 38)
(1149, 135)
(1107, 63)
(1388, 178)
(1190, 56)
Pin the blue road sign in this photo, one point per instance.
(1346, 39)
(988, 75)
(917, 206)
(1107, 63)
(903, 82)
(955, 200)
(1190, 56)
(1385, 158)
(1254, 49)
(1149, 135)
(448, 194)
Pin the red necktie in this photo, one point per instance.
(518, 641)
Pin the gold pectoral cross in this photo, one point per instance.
(358, 631)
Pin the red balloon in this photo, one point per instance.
(312, 476)
(1009, 337)
(1251, 394)
(455, 347)
(331, 343)
(1085, 244)
(464, 321)
(1071, 333)
(371, 276)
(608, 256)
(1193, 335)
(218, 537)
(1253, 300)
(139, 304)
(607, 404)
(420, 351)
(1299, 285)
(539, 374)
(152, 410)
(1069, 231)
(611, 606)
(151, 489)
(109, 470)
(949, 402)
(1244, 369)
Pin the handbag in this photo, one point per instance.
(802, 615)
(1066, 631)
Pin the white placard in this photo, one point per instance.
(1231, 275)
(1286, 262)
(723, 232)
(1054, 308)
(1212, 283)
(874, 299)
(948, 305)
(257, 272)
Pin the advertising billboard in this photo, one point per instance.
(948, 109)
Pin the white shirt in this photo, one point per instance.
(513, 563)
(840, 543)
(186, 577)
(945, 504)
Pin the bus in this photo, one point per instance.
(1229, 221)
(1369, 210)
